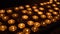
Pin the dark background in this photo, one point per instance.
(12, 3)
(53, 28)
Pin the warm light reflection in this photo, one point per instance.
(29, 18)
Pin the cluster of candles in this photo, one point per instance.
(35, 16)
